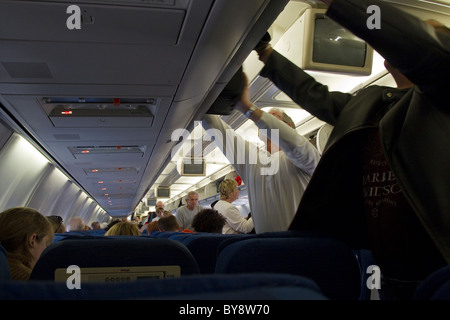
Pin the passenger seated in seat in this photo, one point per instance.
(57, 224)
(168, 223)
(152, 226)
(208, 220)
(95, 225)
(111, 224)
(124, 228)
(24, 233)
(76, 224)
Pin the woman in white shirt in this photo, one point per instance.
(235, 222)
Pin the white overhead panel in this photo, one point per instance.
(99, 23)
(99, 152)
(100, 112)
(102, 98)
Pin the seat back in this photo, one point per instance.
(195, 287)
(115, 252)
(328, 262)
(4, 265)
(435, 287)
(168, 234)
(204, 247)
(272, 234)
(78, 235)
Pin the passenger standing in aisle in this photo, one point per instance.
(393, 140)
(186, 213)
(275, 179)
(235, 222)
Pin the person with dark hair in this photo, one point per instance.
(111, 224)
(208, 220)
(383, 181)
(96, 225)
(168, 222)
(24, 233)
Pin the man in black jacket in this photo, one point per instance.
(383, 182)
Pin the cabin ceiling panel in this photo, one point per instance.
(98, 24)
(174, 51)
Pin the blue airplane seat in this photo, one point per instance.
(91, 234)
(167, 234)
(272, 234)
(435, 287)
(193, 287)
(154, 234)
(99, 232)
(4, 265)
(179, 235)
(204, 247)
(113, 251)
(328, 262)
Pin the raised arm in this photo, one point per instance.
(299, 150)
(302, 88)
(232, 145)
(414, 47)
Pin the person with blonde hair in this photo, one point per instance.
(123, 228)
(24, 233)
(235, 222)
